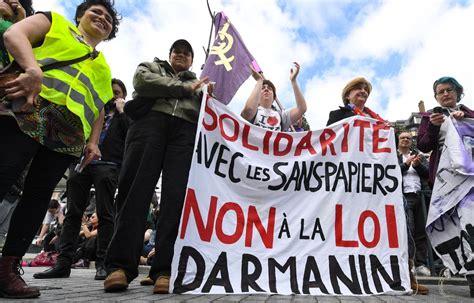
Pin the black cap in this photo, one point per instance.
(181, 43)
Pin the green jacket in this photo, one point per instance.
(170, 91)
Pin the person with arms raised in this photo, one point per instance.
(259, 109)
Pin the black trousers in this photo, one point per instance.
(157, 143)
(47, 168)
(46, 242)
(418, 246)
(105, 178)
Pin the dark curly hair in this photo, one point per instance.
(109, 6)
(28, 6)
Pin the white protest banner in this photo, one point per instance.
(450, 223)
(316, 212)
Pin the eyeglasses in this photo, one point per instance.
(408, 138)
(446, 90)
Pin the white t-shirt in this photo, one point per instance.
(411, 181)
(271, 119)
(49, 217)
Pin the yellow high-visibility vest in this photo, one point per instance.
(83, 87)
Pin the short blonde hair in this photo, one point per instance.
(353, 84)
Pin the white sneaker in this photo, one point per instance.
(423, 271)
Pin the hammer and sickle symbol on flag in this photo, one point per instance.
(223, 47)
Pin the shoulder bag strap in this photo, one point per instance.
(59, 64)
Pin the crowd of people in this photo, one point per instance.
(70, 115)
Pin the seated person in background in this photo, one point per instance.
(87, 247)
(148, 248)
(354, 97)
(259, 109)
(55, 215)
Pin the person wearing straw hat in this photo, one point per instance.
(354, 96)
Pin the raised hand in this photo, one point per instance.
(294, 71)
(256, 75)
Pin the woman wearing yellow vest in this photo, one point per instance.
(61, 111)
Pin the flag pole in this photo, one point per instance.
(213, 16)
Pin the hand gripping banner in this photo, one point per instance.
(450, 223)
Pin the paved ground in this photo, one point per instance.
(81, 287)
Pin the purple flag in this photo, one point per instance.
(229, 60)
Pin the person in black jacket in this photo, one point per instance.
(103, 174)
(354, 97)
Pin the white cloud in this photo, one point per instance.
(446, 51)
(431, 37)
(56, 5)
(267, 31)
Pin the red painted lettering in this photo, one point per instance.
(362, 124)
(344, 143)
(305, 143)
(360, 228)
(205, 231)
(253, 219)
(212, 114)
(239, 226)
(377, 139)
(327, 141)
(235, 134)
(276, 144)
(266, 142)
(339, 241)
(245, 138)
(391, 226)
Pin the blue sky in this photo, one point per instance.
(400, 46)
